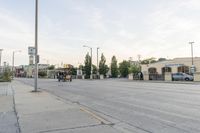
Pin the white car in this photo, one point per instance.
(182, 76)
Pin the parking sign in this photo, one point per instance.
(31, 50)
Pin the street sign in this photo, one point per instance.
(31, 50)
(174, 65)
(38, 58)
(193, 69)
(31, 58)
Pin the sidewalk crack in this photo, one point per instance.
(72, 128)
(15, 111)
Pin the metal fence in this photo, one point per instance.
(1, 75)
(136, 77)
(156, 77)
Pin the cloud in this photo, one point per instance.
(162, 29)
(170, 29)
(97, 21)
(14, 35)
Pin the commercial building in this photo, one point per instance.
(173, 66)
(28, 70)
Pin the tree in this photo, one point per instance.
(74, 71)
(114, 68)
(124, 68)
(87, 67)
(42, 73)
(149, 60)
(162, 59)
(134, 69)
(103, 68)
(6, 75)
(52, 67)
(94, 70)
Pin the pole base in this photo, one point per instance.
(36, 91)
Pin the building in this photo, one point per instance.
(28, 70)
(173, 66)
(162, 70)
(19, 71)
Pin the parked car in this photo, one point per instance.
(182, 76)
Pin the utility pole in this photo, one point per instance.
(13, 62)
(98, 61)
(91, 65)
(139, 57)
(36, 45)
(139, 61)
(191, 43)
(0, 55)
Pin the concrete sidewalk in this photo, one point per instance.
(8, 119)
(42, 112)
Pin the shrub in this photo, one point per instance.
(42, 73)
(6, 75)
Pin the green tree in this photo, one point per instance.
(94, 69)
(149, 60)
(162, 59)
(7, 74)
(124, 68)
(73, 71)
(52, 67)
(42, 73)
(133, 69)
(87, 67)
(103, 68)
(114, 68)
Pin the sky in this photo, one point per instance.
(124, 28)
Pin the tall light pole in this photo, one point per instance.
(13, 62)
(0, 55)
(36, 45)
(91, 59)
(191, 43)
(98, 61)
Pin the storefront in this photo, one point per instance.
(173, 66)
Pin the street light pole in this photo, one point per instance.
(192, 52)
(91, 59)
(139, 57)
(98, 61)
(36, 45)
(13, 62)
(0, 55)
(91, 65)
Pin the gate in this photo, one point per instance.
(156, 77)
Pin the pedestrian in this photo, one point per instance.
(139, 75)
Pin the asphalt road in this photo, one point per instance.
(134, 106)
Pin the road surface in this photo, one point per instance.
(140, 107)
